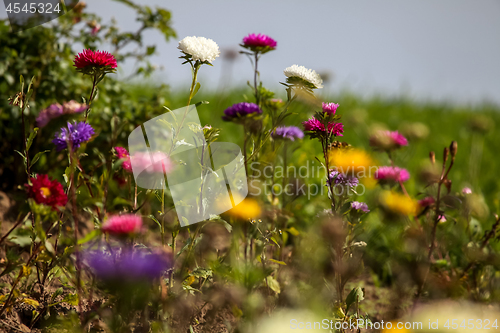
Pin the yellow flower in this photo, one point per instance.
(247, 209)
(352, 160)
(399, 203)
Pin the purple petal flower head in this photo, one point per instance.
(340, 179)
(56, 110)
(330, 108)
(391, 173)
(46, 115)
(240, 110)
(127, 265)
(76, 133)
(259, 42)
(288, 132)
(360, 206)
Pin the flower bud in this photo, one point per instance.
(453, 148)
(446, 152)
(432, 156)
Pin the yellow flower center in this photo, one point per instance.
(45, 191)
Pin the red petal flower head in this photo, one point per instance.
(95, 62)
(47, 192)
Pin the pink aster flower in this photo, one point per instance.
(330, 108)
(336, 128)
(388, 140)
(123, 224)
(156, 162)
(466, 190)
(122, 153)
(94, 62)
(391, 173)
(259, 42)
(442, 219)
(314, 125)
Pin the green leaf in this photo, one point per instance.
(90, 236)
(29, 142)
(156, 220)
(196, 88)
(273, 284)
(66, 175)
(71, 299)
(293, 231)
(355, 296)
(278, 262)
(37, 156)
(31, 302)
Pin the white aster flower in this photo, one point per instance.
(200, 48)
(308, 75)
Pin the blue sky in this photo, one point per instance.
(427, 49)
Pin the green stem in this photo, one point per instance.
(91, 97)
(257, 95)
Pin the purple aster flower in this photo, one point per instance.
(288, 132)
(56, 110)
(240, 110)
(127, 265)
(76, 133)
(360, 206)
(340, 179)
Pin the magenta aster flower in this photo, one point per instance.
(288, 132)
(123, 224)
(336, 128)
(95, 62)
(56, 110)
(259, 42)
(241, 110)
(330, 108)
(388, 140)
(391, 173)
(76, 133)
(122, 153)
(314, 125)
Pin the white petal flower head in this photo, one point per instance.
(200, 48)
(301, 75)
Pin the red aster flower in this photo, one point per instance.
(95, 62)
(47, 192)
